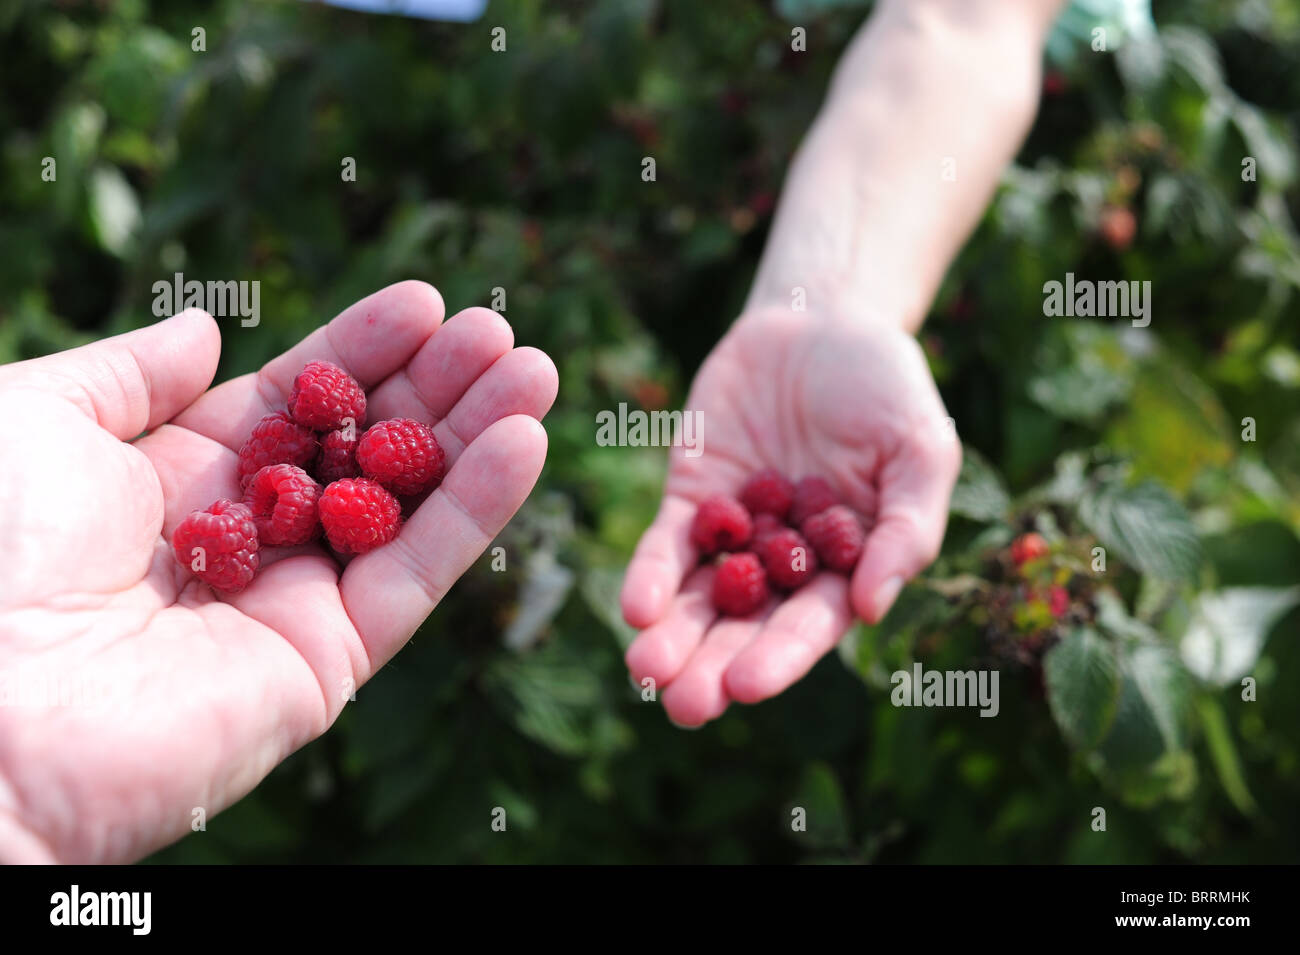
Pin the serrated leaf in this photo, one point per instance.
(1146, 527)
(1151, 714)
(1083, 685)
(1086, 370)
(1228, 630)
(980, 493)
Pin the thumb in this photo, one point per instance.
(130, 383)
(914, 491)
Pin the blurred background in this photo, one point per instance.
(521, 170)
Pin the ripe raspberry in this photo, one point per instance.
(276, 439)
(324, 395)
(359, 515)
(740, 585)
(226, 541)
(789, 560)
(721, 523)
(338, 457)
(812, 495)
(402, 455)
(768, 492)
(1058, 600)
(283, 501)
(1028, 547)
(764, 525)
(837, 536)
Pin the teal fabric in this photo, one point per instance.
(1125, 21)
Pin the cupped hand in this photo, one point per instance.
(135, 700)
(852, 402)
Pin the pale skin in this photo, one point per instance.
(820, 374)
(178, 699)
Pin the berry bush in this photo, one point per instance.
(1124, 541)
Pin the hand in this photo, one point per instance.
(175, 699)
(854, 403)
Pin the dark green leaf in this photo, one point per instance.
(1146, 527)
(1083, 686)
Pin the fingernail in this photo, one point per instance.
(885, 595)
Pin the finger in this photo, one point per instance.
(388, 592)
(370, 340)
(913, 513)
(660, 652)
(522, 381)
(432, 383)
(798, 634)
(133, 382)
(663, 557)
(697, 695)
(193, 471)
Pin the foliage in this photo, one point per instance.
(521, 171)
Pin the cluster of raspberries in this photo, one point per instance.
(305, 471)
(775, 537)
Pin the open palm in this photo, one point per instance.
(807, 395)
(137, 697)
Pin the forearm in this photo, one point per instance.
(929, 103)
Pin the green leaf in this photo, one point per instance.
(1086, 371)
(114, 210)
(1228, 629)
(1146, 527)
(1150, 719)
(822, 800)
(980, 493)
(1223, 752)
(1173, 427)
(1083, 685)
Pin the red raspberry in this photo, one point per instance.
(788, 559)
(837, 536)
(1028, 547)
(812, 495)
(324, 395)
(740, 585)
(768, 492)
(1058, 600)
(721, 523)
(359, 515)
(226, 541)
(765, 524)
(338, 456)
(402, 455)
(283, 501)
(276, 439)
